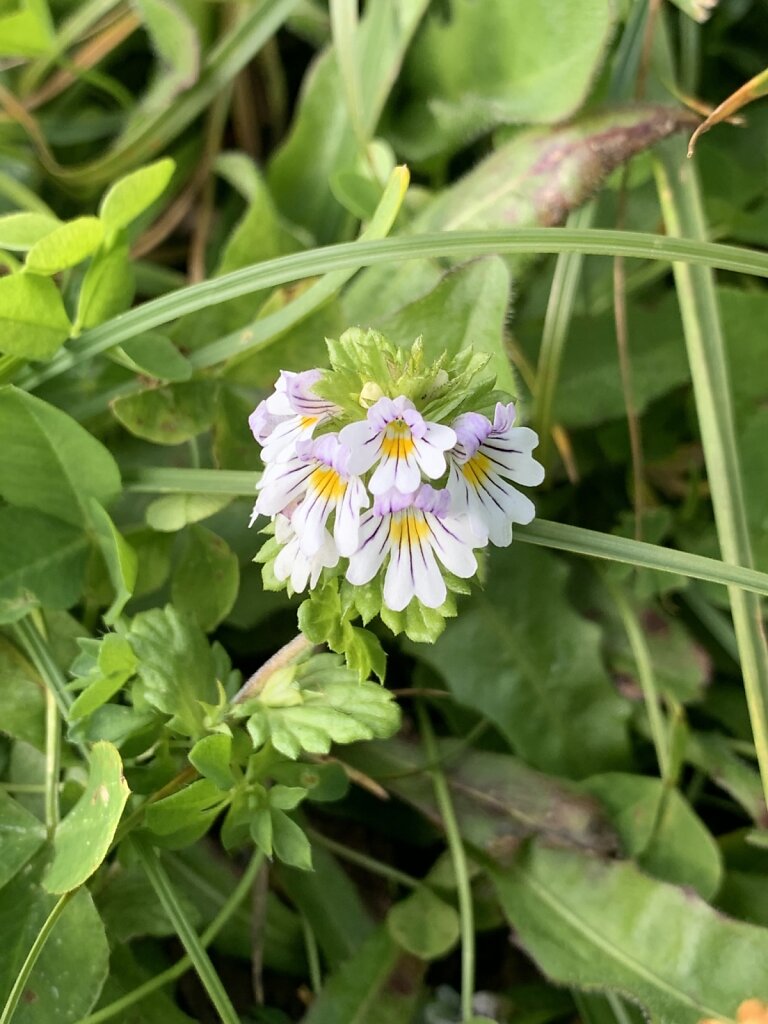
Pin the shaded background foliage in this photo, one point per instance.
(594, 738)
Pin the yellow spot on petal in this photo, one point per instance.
(308, 421)
(398, 442)
(408, 527)
(327, 484)
(476, 470)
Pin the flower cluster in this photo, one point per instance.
(359, 467)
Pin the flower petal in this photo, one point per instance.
(372, 550)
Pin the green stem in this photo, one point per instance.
(32, 956)
(52, 762)
(362, 860)
(463, 244)
(39, 654)
(313, 955)
(562, 299)
(680, 200)
(165, 893)
(170, 975)
(460, 869)
(642, 656)
(712, 620)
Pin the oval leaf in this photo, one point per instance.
(132, 195)
(33, 321)
(49, 462)
(596, 924)
(84, 836)
(21, 231)
(65, 247)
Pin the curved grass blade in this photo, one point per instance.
(462, 244)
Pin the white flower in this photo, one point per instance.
(289, 415)
(406, 444)
(486, 457)
(318, 478)
(412, 530)
(291, 562)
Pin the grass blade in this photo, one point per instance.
(681, 205)
(189, 937)
(560, 536)
(449, 244)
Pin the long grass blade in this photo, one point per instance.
(450, 244)
(680, 199)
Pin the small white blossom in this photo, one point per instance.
(291, 562)
(413, 531)
(486, 458)
(402, 441)
(318, 478)
(289, 415)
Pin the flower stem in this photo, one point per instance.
(647, 678)
(459, 860)
(165, 893)
(313, 955)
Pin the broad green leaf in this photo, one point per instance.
(212, 756)
(191, 808)
(176, 665)
(467, 308)
(22, 230)
(73, 965)
(544, 688)
(171, 414)
(424, 925)
(84, 836)
(21, 836)
(43, 460)
(205, 580)
(42, 562)
(155, 355)
(660, 830)
(153, 551)
(128, 907)
(451, 97)
(33, 320)
(380, 984)
(107, 288)
(322, 140)
(22, 697)
(173, 512)
(331, 903)
(605, 925)
(66, 246)
(120, 559)
(535, 178)
(128, 973)
(130, 196)
(176, 44)
(233, 442)
(541, 174)
(498, 799)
